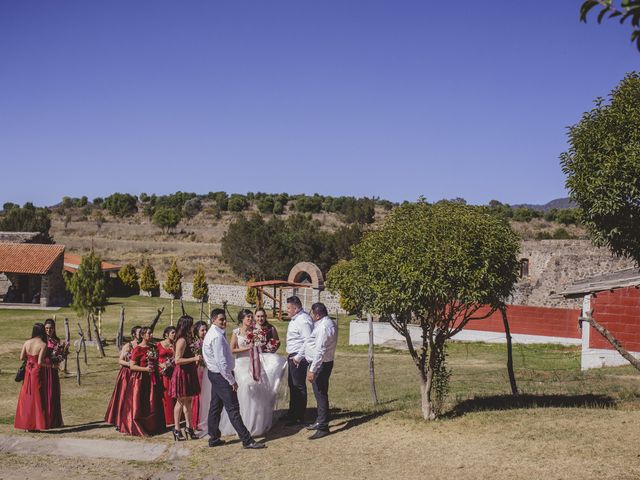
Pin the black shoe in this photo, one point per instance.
(190, 434)
(313, 426)
(177, 435)
(117, 428)
(254, 445)
(319, 434)
(215, 442)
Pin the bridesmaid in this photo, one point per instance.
(184, 381)
(116, 406)
(144, 391)
(199, 331)
(30, 412)
(273, 340)
(51, 376)
(166, 362)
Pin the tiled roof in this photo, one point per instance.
(629, 277)
(72, 263)
(28, 258)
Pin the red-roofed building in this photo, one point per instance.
(72, 263)
(32, 273)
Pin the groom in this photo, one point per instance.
(220, 363)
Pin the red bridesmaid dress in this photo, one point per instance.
(195, 401)
(51, 385)
(184, 381)
(30, 412)
(116, 408)
(163, 355)
(144, 412)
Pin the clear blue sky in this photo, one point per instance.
(395, 99)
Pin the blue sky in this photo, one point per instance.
(394, 99)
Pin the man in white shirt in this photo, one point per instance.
(298, 331)
(220, 363)
(320, 350)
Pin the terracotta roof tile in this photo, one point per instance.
(72, 263)
(28, 258)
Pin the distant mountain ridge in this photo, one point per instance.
(559, 203)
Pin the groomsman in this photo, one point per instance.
(320, 350)
(298, 332)
(220, 363)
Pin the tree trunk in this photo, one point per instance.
(120, 332)
(98, 339)
(372, 375)
(428, 412)
(172, 312)
(83, 344)
(67, 337)
(614, 342)
(78, 366)
(507, 332)
(89, 327)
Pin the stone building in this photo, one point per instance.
(32, 273)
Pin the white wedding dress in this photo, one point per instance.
(257, 400)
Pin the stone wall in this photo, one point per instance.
(555, 264)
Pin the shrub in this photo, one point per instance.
(237, 203)
(173, 285)
(148, 280)
(166, 218)
(129, 278)
(121, 204)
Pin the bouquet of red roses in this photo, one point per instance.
(257, 337)
(59, 353)
(152, 357)
(271, 346)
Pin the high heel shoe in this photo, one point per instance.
(177, 435)
(190, 433)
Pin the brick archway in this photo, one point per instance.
(307, 269)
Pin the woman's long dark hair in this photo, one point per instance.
(167, 331)
(52, 322)
(243, 313)
(266, 320)
(196, 328)
(38, 331)
(183, 329)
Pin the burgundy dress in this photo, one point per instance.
(51, 384)
(163, 355)
(116, 404)
(143, 414)
(270, 336)
(184, 381)
(30, 412)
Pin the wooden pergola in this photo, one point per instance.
(273, 289)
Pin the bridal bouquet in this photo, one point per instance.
(271, 346)
(196, 347)
(59, 353)
(257, 337)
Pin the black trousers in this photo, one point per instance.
(223, 395)
(321, 392)
(297, 388)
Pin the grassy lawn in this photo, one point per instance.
(485, 432)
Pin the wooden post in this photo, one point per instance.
(78, 365)
(89, 326)
(120, 331)
(67, 338)
(372, 375)
(82, 345)
(172, 312)
(99, 323)
(98, 339)
(280, 302)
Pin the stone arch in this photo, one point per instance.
(308, 270)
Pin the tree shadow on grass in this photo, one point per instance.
(514, 402)
(81, 427)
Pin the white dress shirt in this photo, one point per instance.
(298, 331)
(321, 346)
(217, 354)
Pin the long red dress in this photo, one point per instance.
(184, 381)
(164, 354)
(116, 406)
(51, 384)
(30, 412)
(144, 413)
(195, 401)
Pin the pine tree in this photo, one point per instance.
(148, 281)
(252, 294)
(129, 278)
(200, 286)
(173, 285)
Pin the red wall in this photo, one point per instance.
(550, 322)
(619, 312)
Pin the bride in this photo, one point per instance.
(258, 373)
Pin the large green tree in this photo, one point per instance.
(436, 266)
(603, 169)
(26, 219)
(166, 218)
